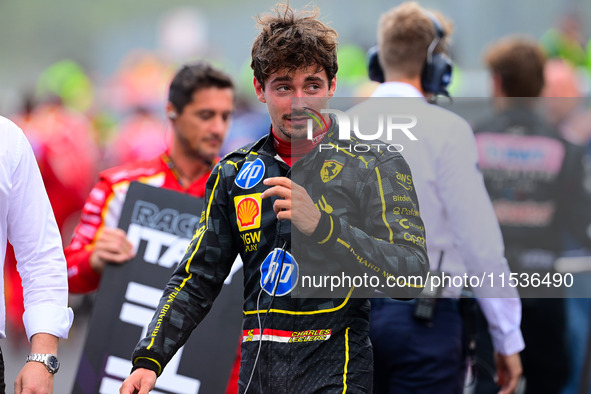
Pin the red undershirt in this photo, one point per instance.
(291, 152)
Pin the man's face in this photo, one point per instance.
(283, 89)
(201, 127)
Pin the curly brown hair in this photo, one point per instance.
(292, 41)
(519, 62)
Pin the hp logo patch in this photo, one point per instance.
(288, 278)
(250, 174)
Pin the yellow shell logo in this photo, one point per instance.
(248, 211)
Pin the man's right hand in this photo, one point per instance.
(111, 246)
(141, 381)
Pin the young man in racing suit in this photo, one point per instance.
(345, 219)
(200, 104)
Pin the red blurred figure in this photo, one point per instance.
(137, 90)
(140, 137)
(566, 107)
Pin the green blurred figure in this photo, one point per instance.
(566, 41)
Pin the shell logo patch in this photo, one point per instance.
(248, 211)
(330, 169)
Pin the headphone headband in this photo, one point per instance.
(439, 31)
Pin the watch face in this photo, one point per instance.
(53, 363)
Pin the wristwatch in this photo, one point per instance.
(50, 360)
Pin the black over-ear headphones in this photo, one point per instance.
(374, 69)
(436, 73)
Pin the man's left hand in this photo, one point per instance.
(293, 204)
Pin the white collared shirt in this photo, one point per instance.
(455, 207)
(27, 221)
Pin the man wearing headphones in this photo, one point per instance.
(418, 345)
(200, 105)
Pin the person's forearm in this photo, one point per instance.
(44, 343)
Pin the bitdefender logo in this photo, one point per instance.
(389, 122)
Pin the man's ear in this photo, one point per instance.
(170, 111)
(258, 89)
(333, 86)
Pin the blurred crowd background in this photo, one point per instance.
(87, 81)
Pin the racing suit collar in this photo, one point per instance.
(265, 145)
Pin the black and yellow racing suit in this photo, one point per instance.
(370, 225)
